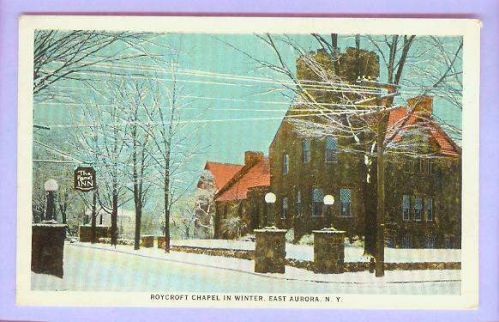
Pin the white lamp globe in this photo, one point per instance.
(328, 200)
(270, 197)
(51, 185)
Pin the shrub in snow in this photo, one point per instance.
(127, 242)
(354, 241)
(307, 239)
(248, 237)
(233, 227)
(120, 241)
(290, 236)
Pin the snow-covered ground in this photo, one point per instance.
(106, 268)
(352, 253)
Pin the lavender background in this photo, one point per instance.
(486, 10)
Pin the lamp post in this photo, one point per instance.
(329, 202)
(270, 199)
(51, 187)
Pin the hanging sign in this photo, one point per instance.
(84, 179)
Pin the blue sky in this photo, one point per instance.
(250, 112)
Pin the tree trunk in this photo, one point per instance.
(380, 185)
(94, 217)
(370, 204)
(167, 207)
(380, 213)
(357, 56)
(114, 218)
(334, 44)
(64, 207)
(138, 219)
(136, 192)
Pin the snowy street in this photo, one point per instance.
(105, 268)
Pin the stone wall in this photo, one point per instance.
(309, 265)
(241, 254)
(119, 241)
(147, 241)
(364, 266)
(161, 242)
(303, 264)
(85, 233)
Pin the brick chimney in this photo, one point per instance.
(422, 105)
(252, 157)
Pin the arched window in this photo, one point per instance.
(418, 208)
(429, 209)
(346, 202)
(317, 202)
(298, 204)
(331, 147)
(285, 163)
(307, 154)
(406, 207)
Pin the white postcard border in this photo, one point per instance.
(468, 28)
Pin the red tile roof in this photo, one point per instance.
(399, 119)
(256, 176)
(447, 146)
(222, 172)
(395, 116)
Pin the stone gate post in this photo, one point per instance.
(47, 248)
(270, 250)
(329, 251)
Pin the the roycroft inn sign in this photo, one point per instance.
(84, 179)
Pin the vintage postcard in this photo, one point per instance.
(248, 162)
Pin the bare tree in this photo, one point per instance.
(132, 95)
(184, 217)
(60, 55)
(204, 205)
(174, 143)
(106, 141)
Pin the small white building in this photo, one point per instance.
(126, 221)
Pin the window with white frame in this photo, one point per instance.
(346, 202)
(418, 208)
(331, 147)
(284, 210)
(285, 163)
(298, 203)
(406, 207)
(429, 209)
(307, 153)
(317, 202)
